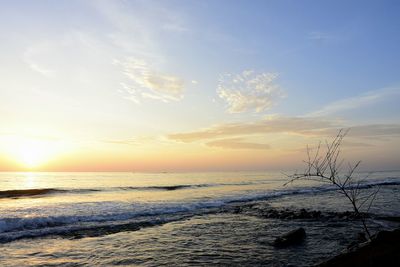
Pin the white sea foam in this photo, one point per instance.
(53, 220)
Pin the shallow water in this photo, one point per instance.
(190, 219)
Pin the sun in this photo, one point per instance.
(33, 152)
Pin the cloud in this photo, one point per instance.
(363, 131)
(44, 56)
(230, 135)
(318, 36)
(249, 91)
(356, 102)
(137, 27)
(344, 143)
(271, 124)
(174, 23)
(35, 136)
(356, 144)
(136, 140)
(145, 82)
(127, 141)
(237, 143)
(40, 69)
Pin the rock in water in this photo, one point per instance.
(291, 238)
(382, 250)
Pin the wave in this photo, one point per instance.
(14, 228)
(35, 192)
(165, 188)
(26, 192)
(99, 220)
(18, 193)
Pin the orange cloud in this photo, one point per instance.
(237, 143)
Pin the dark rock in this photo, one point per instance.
(361, 238)
(387, 237)
(316, 214)
(291, 238)
(390, 218)
(382, 250)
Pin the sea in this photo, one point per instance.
(181, 219)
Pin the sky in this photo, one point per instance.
(196, 85)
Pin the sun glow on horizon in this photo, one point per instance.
(31, 153)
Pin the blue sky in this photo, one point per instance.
(127, 78)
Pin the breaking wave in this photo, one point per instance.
(18, 193)
(134, 216)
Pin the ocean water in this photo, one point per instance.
(178, 219)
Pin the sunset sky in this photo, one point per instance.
(196, 85)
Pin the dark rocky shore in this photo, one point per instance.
(382, 250)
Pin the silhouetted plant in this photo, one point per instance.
(326, 166)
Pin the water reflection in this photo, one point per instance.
(30, 179)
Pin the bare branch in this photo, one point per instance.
(326, 168)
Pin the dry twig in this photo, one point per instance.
(327, 167)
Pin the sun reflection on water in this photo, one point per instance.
(30, 180)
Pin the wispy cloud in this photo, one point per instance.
(237, 143)
(127, 141)
(363, 131)
(345, 143)
(318, 36)
(233, 135)
(137, 25)
(35, 54)
(135, 141)
(174, 23)
(129, 32)
(356, 144)
(274, 124)
(71, 53)
(40, 69)
(249, 91)
(145, 82)
(357, 102)
(137, 39)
